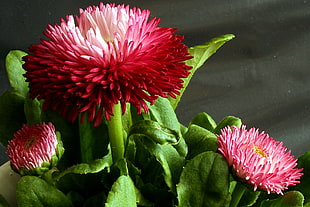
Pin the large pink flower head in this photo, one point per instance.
(105, 55)
(258, 159)
(33, 147)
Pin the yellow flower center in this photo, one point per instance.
(259, 151)
(29, 142)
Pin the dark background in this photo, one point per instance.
(262, 76)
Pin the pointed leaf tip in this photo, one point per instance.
(15, 71)
(200, 53)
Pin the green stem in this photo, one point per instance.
(115, 127)
(237, 194)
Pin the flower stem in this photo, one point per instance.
(237, 194)
(115, 127)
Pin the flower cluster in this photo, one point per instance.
(259, 159)
(91, 67)
(108, 54)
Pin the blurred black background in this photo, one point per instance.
(262, 76)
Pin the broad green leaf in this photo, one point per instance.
(130, 148)
(3, 202)
(85, 184)
(200, 54)
(155, 132)
(162, 197)
(125, 167)
(93, 140)
(141, 201)
(304, 185)
(199, 140)
(249, 198)
(94, 166)
(162, 112)
(33, 111)
(127, 118)
(96, 200)
(169, 159)
(290, 199)
(204, 120)
(227, 121)
(204, 182)
(122, 193)
(60, 150)
(181, 147)
(76, 198)
(12, 115)
(34, 191)
(15, 71)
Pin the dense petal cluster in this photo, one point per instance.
(107, 54)
(259, 159)
(31, 146)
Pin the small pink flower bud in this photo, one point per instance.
(33, 150)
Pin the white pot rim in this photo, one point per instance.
(8, 180)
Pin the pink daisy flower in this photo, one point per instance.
(105, 55)
(32, 146)
(258, 159)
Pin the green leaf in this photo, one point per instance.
(204, 182)
(33, 191)
(15, 71)
(181, 147)
(76, 198)
(3, 202)
(204, 120)
(199, 140)
(12, 115)
(96, 200)
(86, 185)
(155, 132)
(304, 185)
(126, 167)
(94, 166)
(93, 140)
(60, 150)
(33, 111)
(290, 199)
(169, 159)
(162, 112)
(122, 193)
(141, 201)
(227, 121)
(127, 118)
(249, 198)
(200, 54)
